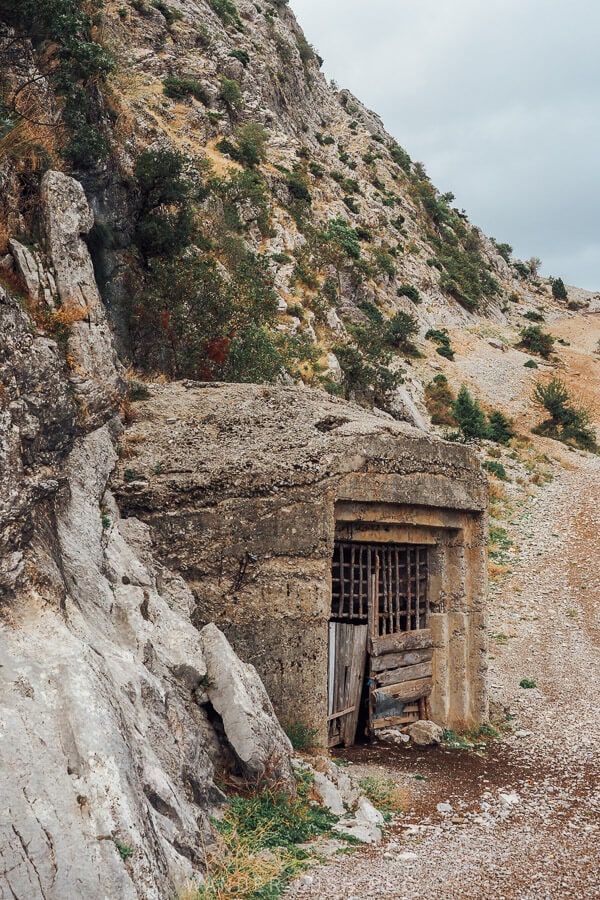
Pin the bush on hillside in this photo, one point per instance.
(469, 416)
(568, 422)
(537, 341)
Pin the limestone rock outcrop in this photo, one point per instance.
(108, 744)
(95, 370)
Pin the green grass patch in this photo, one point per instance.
(261, 833)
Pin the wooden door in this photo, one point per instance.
(400, 643)
(347, 661)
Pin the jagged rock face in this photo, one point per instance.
(108, 751)
(37, 427)
(95, 368)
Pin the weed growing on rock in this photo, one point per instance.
(527, 683)
(125, 851)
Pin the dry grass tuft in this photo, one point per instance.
(496, 491)
(35, 139)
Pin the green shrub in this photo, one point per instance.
(124, 850)
(231, 94)
(226, 11)
(537, 341)
(298, 188)
(400, 329)
(527, 683)
(383, 263)
(305, 50)
(324, 139)
(568, 423)
(500, 428)
(410, 291)
(495, 468)
(75, 64)
(170, 14)
(251, 147)
(301, 736)
(521, 269)
(505, 251)
(351, 203)
(166, 222)
(366, 378)
(533, 316)
(342, 237)
(531, 364)
(442, 339)
(400, 157)
(137, 390)
(559, 291)
(242, 56)
(466, 274)
(469, 416)
(181, 88)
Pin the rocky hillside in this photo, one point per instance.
(249, 218)
(183, 193)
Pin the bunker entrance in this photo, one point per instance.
(378, 634)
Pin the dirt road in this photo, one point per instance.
(523, 820)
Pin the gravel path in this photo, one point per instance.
(522, 821)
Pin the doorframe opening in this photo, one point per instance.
(383, 584)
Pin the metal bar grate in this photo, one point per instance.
(397, 574)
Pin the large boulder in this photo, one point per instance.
(239, 697)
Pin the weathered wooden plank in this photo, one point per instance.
(408, 690)
(343, 712)
(357, 649)
(395, 660)
(392, 721)
(331, 668)
(405, 673)
(396, 643)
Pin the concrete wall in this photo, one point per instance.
(244, 505)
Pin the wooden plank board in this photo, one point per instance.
(396, 643)
(392, 721)
(406, 673)
(408, 690)
(395, 660)
(347, 660)
(343, 712)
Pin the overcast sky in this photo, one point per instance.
(500, 99)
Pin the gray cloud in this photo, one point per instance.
(499, 99)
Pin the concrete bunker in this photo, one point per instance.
(342, 552)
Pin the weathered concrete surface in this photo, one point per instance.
(244, 487)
